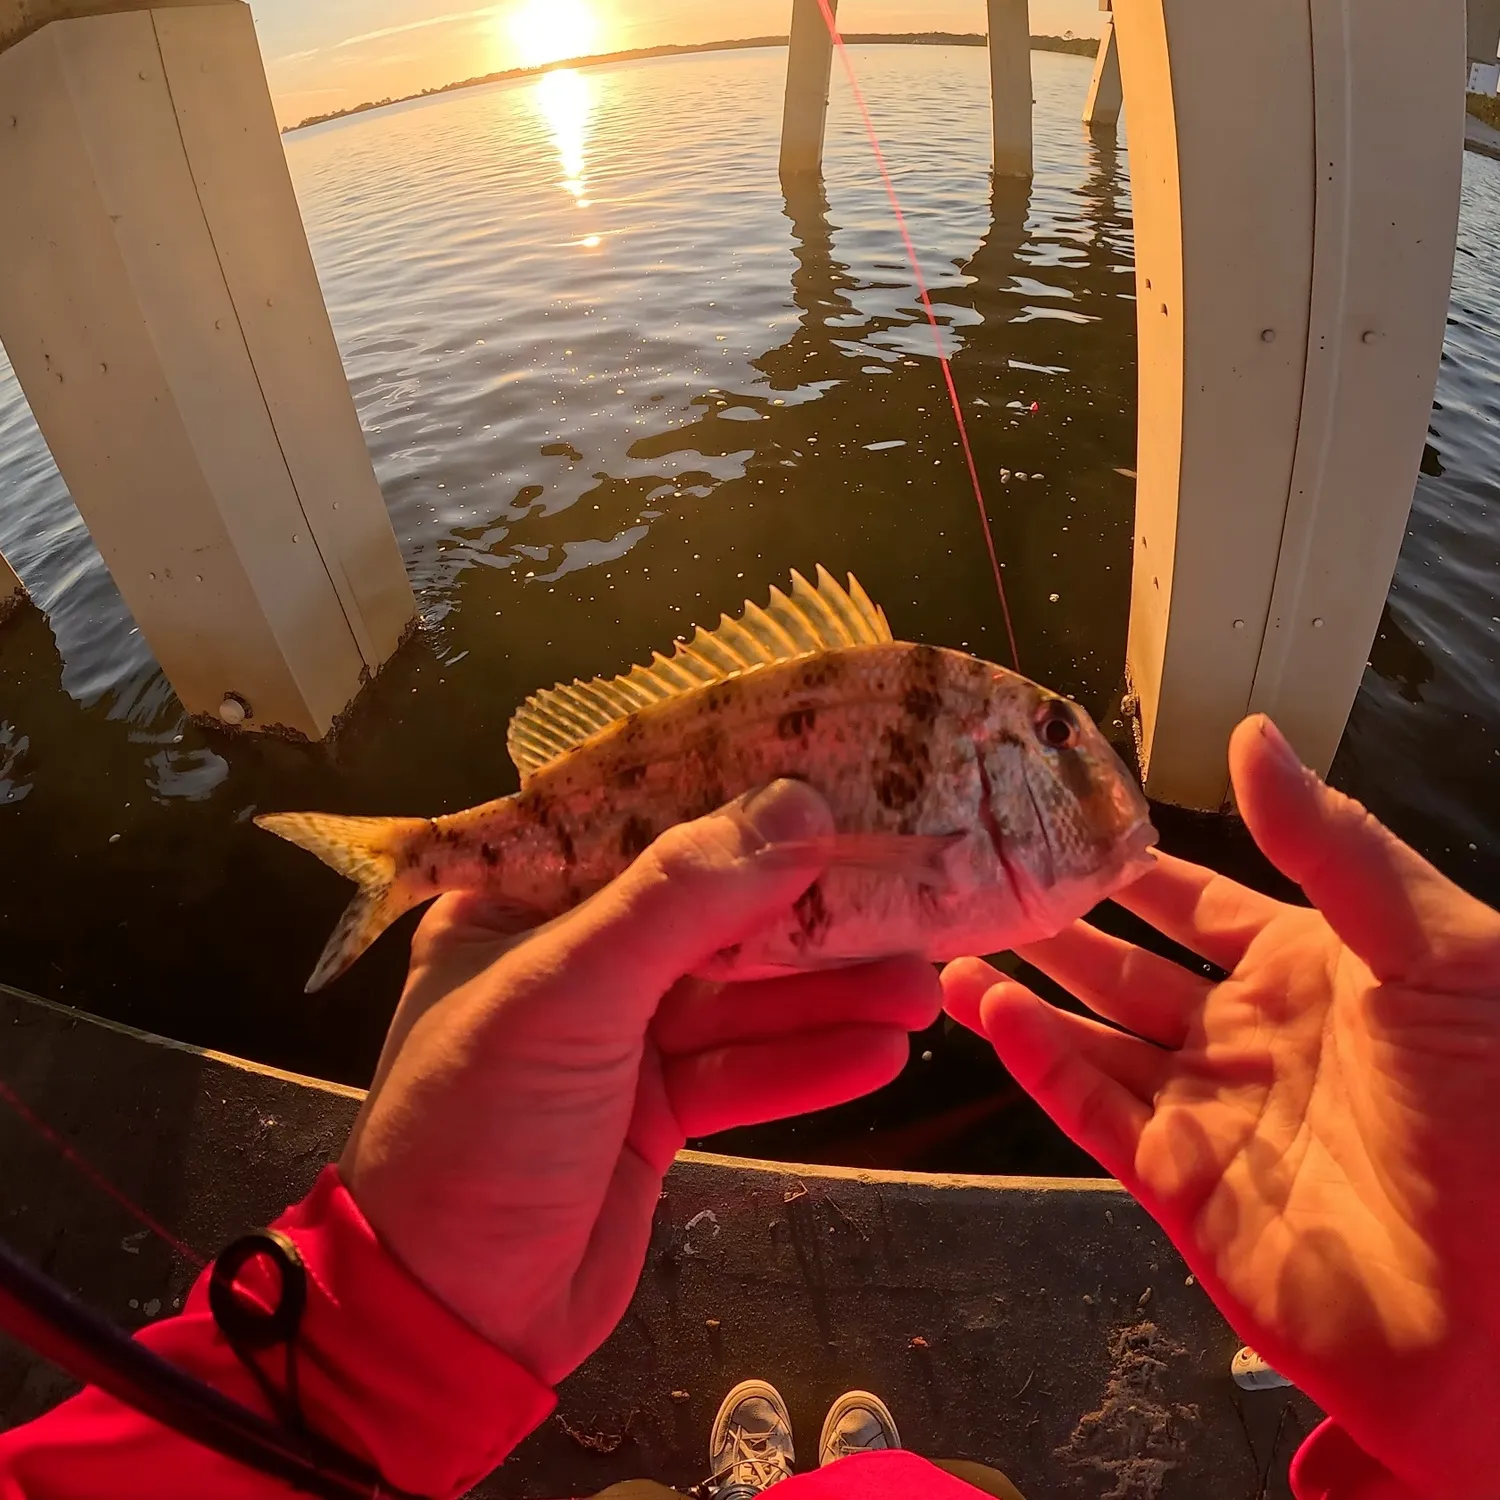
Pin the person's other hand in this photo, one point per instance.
(1319, 1132)
(532, 1095)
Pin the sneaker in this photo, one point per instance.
(750, 1446)
(856, 1423)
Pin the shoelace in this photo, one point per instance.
(765, 1464)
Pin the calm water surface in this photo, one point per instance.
(613, 381)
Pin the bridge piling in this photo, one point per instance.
(809, 68)
(1010, 86)
(1296, 202)
(1106, 95)
(12, 590)
(159, 304)
(1484, 43)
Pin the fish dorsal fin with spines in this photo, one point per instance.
(826, 618)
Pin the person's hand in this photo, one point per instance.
(531, 1096)
(1319, 1132)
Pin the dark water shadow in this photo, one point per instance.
(104, 1119)
(202, 928)
(955, 1108)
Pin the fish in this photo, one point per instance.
(973, 809)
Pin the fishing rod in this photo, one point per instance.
(40, 1314)
(43, 1316)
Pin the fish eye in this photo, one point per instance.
(1057, 725)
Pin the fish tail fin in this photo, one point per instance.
(375, 853)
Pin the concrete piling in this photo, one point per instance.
(1106, 95)
(12, 590)
(808, 76)
(159, 304)
(1483, 44)
(1292, 286)
(1010, 86)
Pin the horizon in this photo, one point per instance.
(345, 53)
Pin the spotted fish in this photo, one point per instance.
(973, 809)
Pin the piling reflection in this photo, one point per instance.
(1002, 343)
(822, 288)
(1057, 325)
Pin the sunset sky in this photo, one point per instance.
(340, 52)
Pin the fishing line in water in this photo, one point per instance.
(937, 332)
(92, 1174)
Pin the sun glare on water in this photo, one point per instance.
(565, 99)
(547, 31)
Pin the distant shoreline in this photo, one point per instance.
(1082, 46)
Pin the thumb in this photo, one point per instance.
(700, 888)
(1392, 908)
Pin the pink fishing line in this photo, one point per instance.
(937, 333)
(93, 1175)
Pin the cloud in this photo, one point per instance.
(452, 18)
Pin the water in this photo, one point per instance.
(613, 383)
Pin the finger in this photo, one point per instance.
(1139, 1066)
(900, 992)
(965, 982)
(699, 888)
(1150, 995)
(464, 932)
(1093, 1082)
(455, 942)
(472, 916)
(750, 1083)
(1390, 906)
(1208, 914)
(974, 994)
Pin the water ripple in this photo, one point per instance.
(613, 381)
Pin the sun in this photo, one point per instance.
(547, 31)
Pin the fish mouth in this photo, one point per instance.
(1136, 854)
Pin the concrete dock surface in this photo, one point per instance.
(1482, 138)
(1043, 1326)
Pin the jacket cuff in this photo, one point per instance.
(384, 1369)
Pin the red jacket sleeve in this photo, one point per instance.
(384, 1370)
(889, 1475)
(1330, 1465)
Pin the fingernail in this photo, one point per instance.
(784, 812)
(1276, 742)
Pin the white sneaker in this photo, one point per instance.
(750, 1445)
(856, 1423)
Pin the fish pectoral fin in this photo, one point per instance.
(916, 857)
